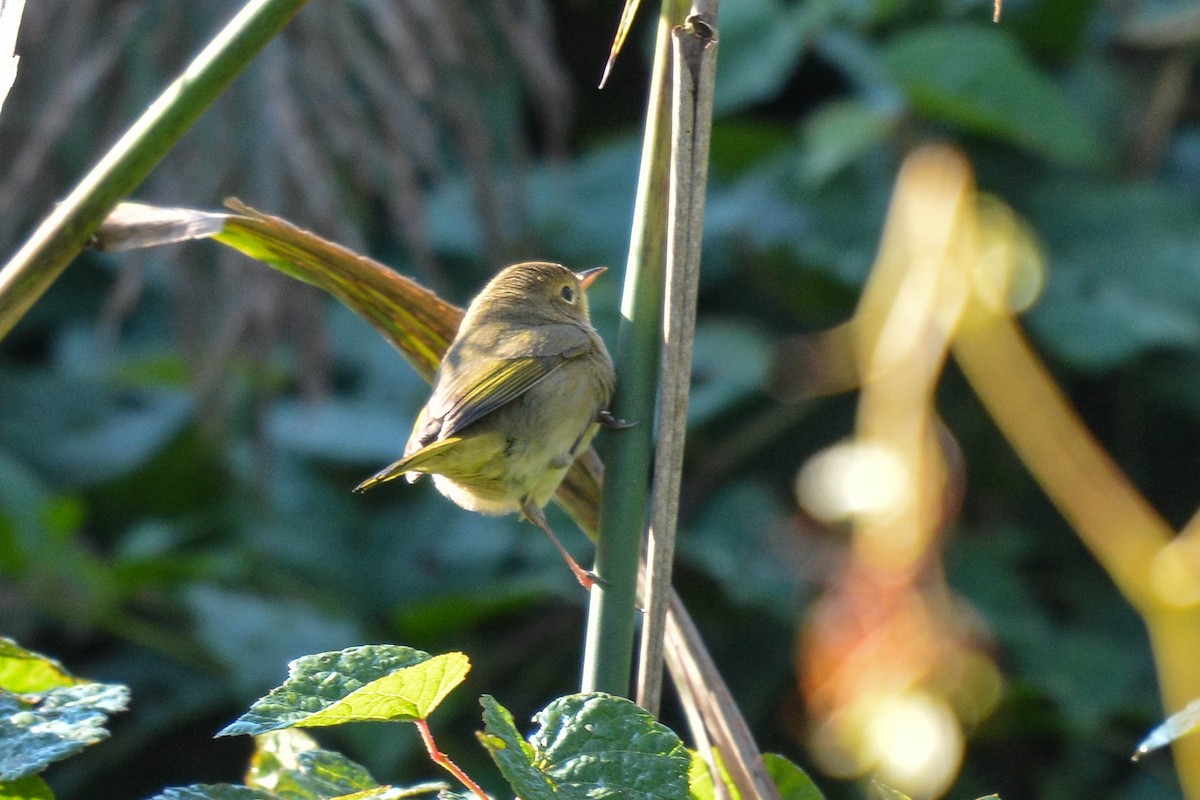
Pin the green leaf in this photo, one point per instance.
(24, 671)
(793, 783)
(762, 42)
(728, 539)
(588, 745)
(700, 782)
(382, 683)
(974, 77)
(253, 635)
(214, 791)
(40, 728)
(290, 764)
(700, 778)
(731, 361)
(513, 755)
(122, 441)
(838, 133)
(275, 763)
(1121, 269)
(28, 788)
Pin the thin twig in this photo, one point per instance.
(443, 760)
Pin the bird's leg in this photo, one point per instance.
(605, 418)
(535, 515)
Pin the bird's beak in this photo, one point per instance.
(588, 275)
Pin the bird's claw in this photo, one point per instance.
(606, 419)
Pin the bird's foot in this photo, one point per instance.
(606, 419)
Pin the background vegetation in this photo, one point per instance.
(179, 431)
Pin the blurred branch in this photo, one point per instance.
(1115, 522)
(1159, 119)
(886, 638)
(1160, 25)
(52, 246)
(902, 330)
(957, 267)
(1156, 571)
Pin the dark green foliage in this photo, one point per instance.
(588, 745)
(179, 435)
(46, 715)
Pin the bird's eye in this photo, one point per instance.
(568, 294)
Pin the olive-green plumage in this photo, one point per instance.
(520, 393)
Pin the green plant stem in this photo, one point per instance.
(65, 232)
(608, 653)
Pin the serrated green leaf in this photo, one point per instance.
(23, 670)
(599, 740)
(700, 779)
(290, 764)
(275, 755)
(588, 745)
(792, 782)
(381, 683)
(40, 728)
(700, 782)
(214, 791)
(513, 755)
(28, 788)
(976, 78)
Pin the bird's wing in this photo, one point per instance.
(497, 383)
(468, 395)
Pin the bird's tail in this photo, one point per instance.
(412, 465)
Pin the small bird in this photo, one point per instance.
(520, 393)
